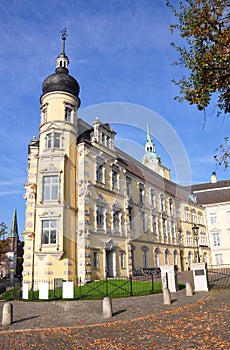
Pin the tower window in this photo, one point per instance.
(53, 140)
(49, 232)
(69, 113)
(50, 188)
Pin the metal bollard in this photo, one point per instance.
(7, 314)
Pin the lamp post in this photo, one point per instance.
(195, 230)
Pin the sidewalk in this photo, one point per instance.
(197, 322)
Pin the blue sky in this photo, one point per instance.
(119, 51)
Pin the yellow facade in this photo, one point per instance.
(91, 209)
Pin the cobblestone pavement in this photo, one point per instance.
(197, 322)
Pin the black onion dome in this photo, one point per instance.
(61, 80)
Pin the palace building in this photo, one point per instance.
(91, 209)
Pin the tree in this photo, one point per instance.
(205, 27)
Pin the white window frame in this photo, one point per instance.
(51, 140)
(186, 214)
(49, 229)
(100, 210)
(50, 187)
(188, 239)
(216, 239)
(193, 216)
(122, 259)
(213, 218)
(69, 112)
(116, 220)
(152, 198)
(219, 259)
(115, 179)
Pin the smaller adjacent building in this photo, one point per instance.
(12, 252)
(215, 197)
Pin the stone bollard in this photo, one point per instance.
(189, 292)
(107, 307)
(167, 296)
(7, 314)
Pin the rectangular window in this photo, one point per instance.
(131, 217)
(141, 195)
(115, 179)
(219, 259)
(216, 241)
(200, 219)
(49, 232)
(100, 172)
(100, 217)
(57, 140)
(122, 260)
(53, 140)
(162, 202)
(69, 114)
(95, 259)
(164, 227)
(188, 239)
(50, 188)
(117, 221)
(203, 240)
(213, 218)
(152, 198)
(186, 215)
(129, 187)
(194, 217)
(173, 231)
(145, 258)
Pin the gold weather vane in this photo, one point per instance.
(63, 36)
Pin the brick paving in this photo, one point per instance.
(197, 322)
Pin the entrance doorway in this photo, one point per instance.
(109, 263)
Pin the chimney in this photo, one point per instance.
(213, 178)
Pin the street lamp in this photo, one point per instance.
(195, 230)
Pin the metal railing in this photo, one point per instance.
(218, 276)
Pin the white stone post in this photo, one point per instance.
(169, 274)
(7, 314)
(200, 277)
(107, 308)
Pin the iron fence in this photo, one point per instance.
(218, 276)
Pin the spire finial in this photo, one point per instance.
(63, 36)
(148, 133)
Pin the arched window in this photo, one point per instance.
(175, 257)
(157, 257)
(166, 256)
(145, 256)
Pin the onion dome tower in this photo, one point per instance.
(61, 80)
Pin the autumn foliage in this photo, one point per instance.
(205, 27)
